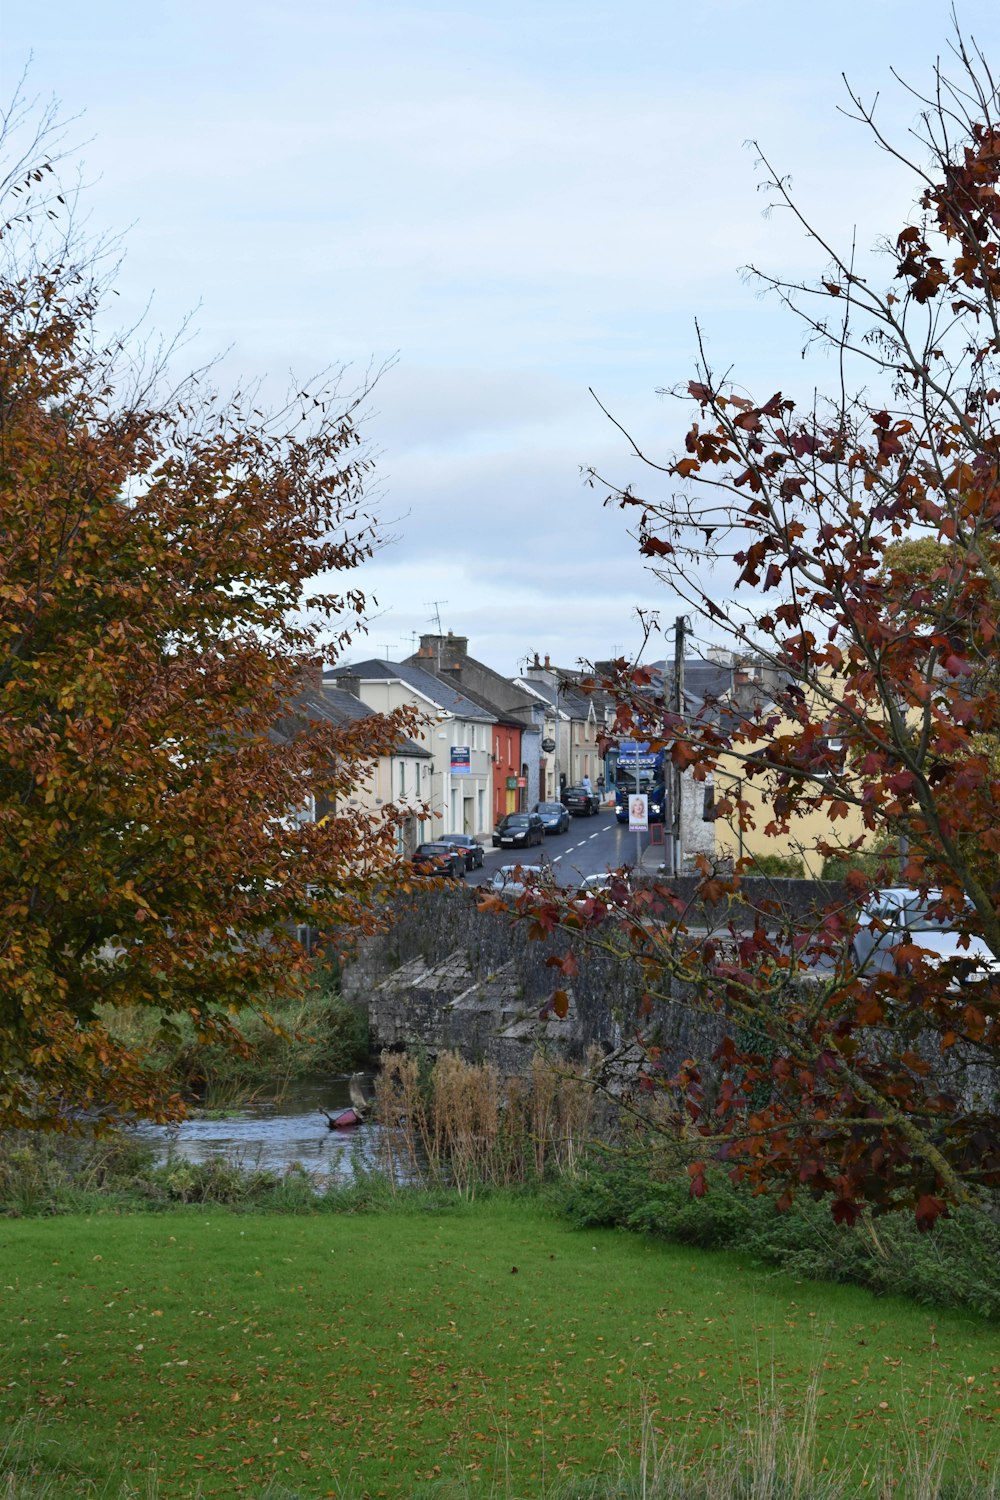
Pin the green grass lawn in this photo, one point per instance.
(492, 1347)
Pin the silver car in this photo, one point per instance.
(513, 880)
(898, 915)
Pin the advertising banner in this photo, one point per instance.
(638, 813)
(461, 760)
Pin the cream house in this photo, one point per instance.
(390, 781)
(455, 735)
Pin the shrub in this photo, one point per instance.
(315, 1031)
(880, 864)
(957, 1265)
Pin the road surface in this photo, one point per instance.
(589, 847)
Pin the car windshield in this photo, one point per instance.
(549, 807)
(516, 820)
(916, 913)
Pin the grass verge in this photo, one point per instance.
(482, 1349)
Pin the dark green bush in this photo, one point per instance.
(956, 1265)
(880, 865)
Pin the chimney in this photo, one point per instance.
(447, 652)
(347, 682)
(547, 663)
(311, 676)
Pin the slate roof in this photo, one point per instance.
(432, 688)
(340, 708)
(521, 715)
(571, 701)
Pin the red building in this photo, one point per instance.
(509, 779)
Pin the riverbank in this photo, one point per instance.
(315, 1033)
(479, 1348)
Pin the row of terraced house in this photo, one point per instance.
(488, 745)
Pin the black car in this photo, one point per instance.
(439, 859)
(471, 848)
(554, 816)
(581, 803)
(518, 831)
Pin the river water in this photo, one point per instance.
(273, 1136)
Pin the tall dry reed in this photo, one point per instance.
(466, 1127)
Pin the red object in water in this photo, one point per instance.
(344, 1119)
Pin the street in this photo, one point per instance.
(589, 847)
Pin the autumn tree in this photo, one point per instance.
(170, 570)
(850, 546)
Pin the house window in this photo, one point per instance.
(402, 778)
(832, 751)
(306, 813)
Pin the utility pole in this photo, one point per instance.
(680, 629)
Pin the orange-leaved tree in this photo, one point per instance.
(169, 571)
(856, 550)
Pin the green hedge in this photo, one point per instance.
(956, 1265)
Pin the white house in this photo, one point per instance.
(456, 782)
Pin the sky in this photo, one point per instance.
(502, 208)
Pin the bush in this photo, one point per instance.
(315, 1032)
(957, 1265)
(880, 865)
(48, 1174)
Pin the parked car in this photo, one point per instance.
(518, 830)
(612, 887)
(471, 848)
(899, 915)
(554, 816)
(512, 881)
(581, 803)
(439, 859)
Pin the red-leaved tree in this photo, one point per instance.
(856, 552)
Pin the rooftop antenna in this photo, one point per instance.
(435, 605)
(386, 646)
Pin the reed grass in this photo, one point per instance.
(464, 1126)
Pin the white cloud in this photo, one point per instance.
(522, 201)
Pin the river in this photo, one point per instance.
(273, 1136)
